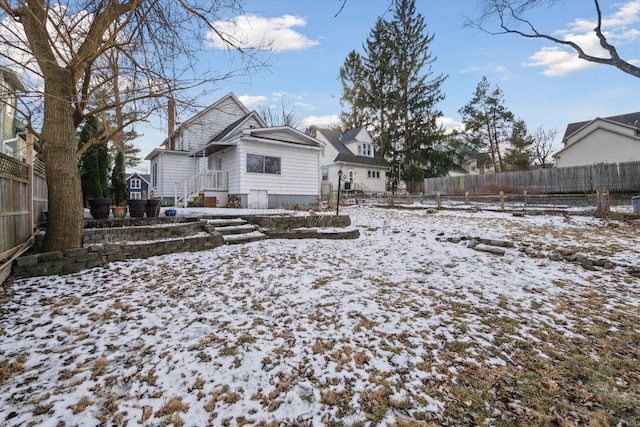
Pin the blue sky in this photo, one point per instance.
(543, 84)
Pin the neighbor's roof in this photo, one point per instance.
(338, 139)
(630, 119)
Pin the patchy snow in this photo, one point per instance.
(303, 331)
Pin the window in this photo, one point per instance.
(263, 164)
(359, 149)
(373, 174)
(325, 174)
(135, 195)
(369, 150)
(136, 183)
(154, 175)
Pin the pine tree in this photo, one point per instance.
(119, 190)
(416, 94)
(400, 96)
(354, 91)
(487, 121)
(94, 162)
(519, 155)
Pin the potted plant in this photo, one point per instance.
(119, 190)
(94, 169)
(137, 207)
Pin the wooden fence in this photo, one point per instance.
(577, 179)
(23, 200)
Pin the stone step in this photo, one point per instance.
(224, 222)
(253, 236)
(235, 229)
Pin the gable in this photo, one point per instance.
(284, 134)
(630, 119)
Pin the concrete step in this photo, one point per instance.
(253, 236)
(235, 229)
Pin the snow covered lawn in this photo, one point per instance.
(405, 326)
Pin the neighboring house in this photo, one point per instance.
(228, 151)
(468, 161)
(351, 152)
(614, 139)
(138, 185)
(13, 135)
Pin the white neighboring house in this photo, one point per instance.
(613, 139)
(353, 153)
(227, 151)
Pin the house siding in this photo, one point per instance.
(212, 122)
(599, 146)
(296, 162)
(172, 167)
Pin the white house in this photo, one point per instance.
(12, 133)
(613, 139)
(351, 152)
(227, 151)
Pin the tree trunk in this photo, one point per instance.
(58, 139)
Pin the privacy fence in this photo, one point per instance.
(23, 200)
(578, 179)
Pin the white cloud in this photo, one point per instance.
(255, 32)
(249, 100)
(450, 124)
(321, 121)
(559, 61)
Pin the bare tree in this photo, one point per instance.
(542, 147)
(63, 49)
(511, 15)
(284, 117)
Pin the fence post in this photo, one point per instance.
(502, 200)
(525, 198)
(603, 203)
(439, 201)
(466, 197)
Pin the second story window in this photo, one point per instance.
(136, 183)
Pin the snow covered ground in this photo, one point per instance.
(403, 326)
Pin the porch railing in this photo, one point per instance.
(190, 188)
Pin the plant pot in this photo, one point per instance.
(153, 207)
(137, 208)
(100, 208)
(119, 212)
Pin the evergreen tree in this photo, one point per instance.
(94, 162)
(354, 91)
(398, 96)
(119, 190)
(415, 96)
(519, 156)
(487, 121)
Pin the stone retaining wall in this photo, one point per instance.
(283, 222)
(74, 260)
(141, 233)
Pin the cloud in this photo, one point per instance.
(449, 124)
(321, 121)
(256, 32)
(558, 61)
(249, 100)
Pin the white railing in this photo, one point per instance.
(190, 188)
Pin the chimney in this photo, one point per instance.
(171, 122)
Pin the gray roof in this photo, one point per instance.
(337, 138)
(631, 119)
